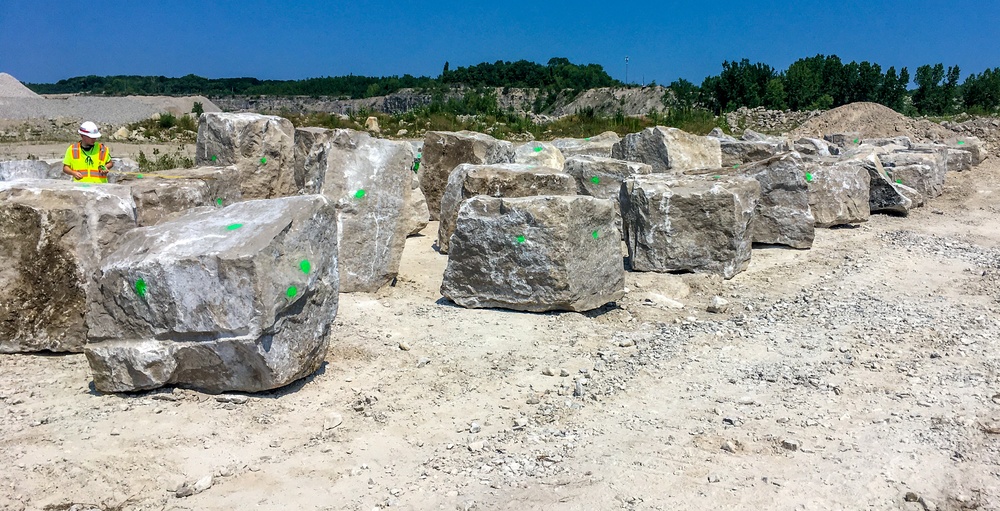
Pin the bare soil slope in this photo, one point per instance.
(872, 120)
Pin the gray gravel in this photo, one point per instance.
(98, 109)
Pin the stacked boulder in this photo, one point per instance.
(597, 145)
(238, 299)
(669, 149)
(750, 147)
(261, 147)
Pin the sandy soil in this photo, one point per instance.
(842, 377)
(44, 150)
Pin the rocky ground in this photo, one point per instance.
(861, 374)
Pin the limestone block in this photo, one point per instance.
(235, 299)
(536, 254)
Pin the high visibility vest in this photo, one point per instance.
(82, 162)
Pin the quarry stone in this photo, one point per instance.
(261, 147)
(236, 299)
(53, 235)
(536, 254)
(445, 150)
(508, 180)
(689, 223)
(669, 149)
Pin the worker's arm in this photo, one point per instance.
(68, 170)
(110, 164)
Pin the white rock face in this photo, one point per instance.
(542, 154)
(597, 145)
(669, 149)
(237, 299)
(261, 147)
(443, 151)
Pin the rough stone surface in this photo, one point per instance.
(53, 235)
(972, 145)
(157, 199)
(689, 223)
(602, 177)
(669, 149)
(839, 192)
(923, 169)
(535, 254)
(310, 156)
(783, 216)
(885, 196)
(509, 180)
(815, 147)
(542, 154)
(597, 145)
(370, 180)
(261, 147)
(199, 302)
(29, 169)
(845, 139)
(959, 160)
(416, 214)
(445, 150)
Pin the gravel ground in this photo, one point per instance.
(98, 109)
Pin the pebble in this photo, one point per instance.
(627, 343)
(712, 478)
(791, 445)
(475, 427)
(548, 371)
(333, 420)
(564, 373)
(533, 400)
(578, 391)
(236, 400)
(477, 446)
(928, 504)
(729, 447)
(188, 489)
(422, 362)
(404, 346)
(718, 305)
(520, 423)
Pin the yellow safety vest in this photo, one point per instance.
(78, 160)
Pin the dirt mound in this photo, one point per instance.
(10, 87)
(872, 120)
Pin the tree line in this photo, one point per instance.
(819, 82)
(824, 81)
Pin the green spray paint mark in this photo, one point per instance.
(900, 181)
(138, 176)
(809, 177)
(716, 177)
(263, 161)
(587, 139)
(214, 157)
(855, 141)
(291, 292)
(218, 202)
(360, 194)
(520, 239)
(140, 288)
(305, 266)
(595, 234)
(233, 227)
(736, 166)
(961, 142)
(596, 180)
(539, 149)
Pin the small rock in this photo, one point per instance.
(404, 346)
(422, 362)
(333, 420)
(475, 427)
(928, 504)
(627, 343)
(911, 497)
(564, 373)
(533, 400)
(236, 400)
(791, 445)
(718, 305)
(520, 423)
(729, 447)
(578, 391)
(189, 489)
(548, 371)
(477, 446)
(996, 399)
(712, 478)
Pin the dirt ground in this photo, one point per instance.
(44, 150)
(859, 374)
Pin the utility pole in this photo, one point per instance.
(626, 70)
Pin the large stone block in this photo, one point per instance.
(783, 216)
(445, 150)
(602, 177)
(884, 195)
(416, 215)
(669, 149)
(370, 181)
(510, 180)
(597, 145)
(157, 198)
(752, 147)
(972, 145)
(237, 299)
(815, 147)
(839, 192)
(923, 169)
(542, 154)
(53, 235)
(29, 169)
(261, 147)
(535, 254)
(689, 223)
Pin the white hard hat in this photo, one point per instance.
(89, 129)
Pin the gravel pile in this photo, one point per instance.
(10, 87)
(100, 110)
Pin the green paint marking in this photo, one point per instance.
(218, 202)
(360, 194)
(291, 292)
(961, 142)
(900, 181)
(214, 157)
(140, 288)
(233, 227)
(595, 234)
(736, 166)
(809, 177)
(716, 177)
(520, 239)
(855, 141)
(596, 180)
(305, 266)
(539, 149)
(587, 139)
(263, 161)
(138, 176)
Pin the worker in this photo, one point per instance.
(88, 161)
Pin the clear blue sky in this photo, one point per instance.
(47, 40)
